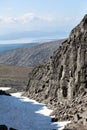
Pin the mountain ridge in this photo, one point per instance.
(30, 56)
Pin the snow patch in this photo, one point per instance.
(22, 113)
(45, 111)
(4, 88)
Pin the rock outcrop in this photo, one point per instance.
(64, 78)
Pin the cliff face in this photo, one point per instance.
(65, 75)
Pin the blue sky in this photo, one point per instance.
(54, 18)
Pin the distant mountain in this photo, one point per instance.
(30, 55)
(8, 47)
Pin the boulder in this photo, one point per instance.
(3, 127)
(54, 120)
(4, 93)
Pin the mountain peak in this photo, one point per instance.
(84, 21)
(79, 33)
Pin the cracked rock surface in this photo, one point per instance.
(61, 83)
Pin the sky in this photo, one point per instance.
(27, 20)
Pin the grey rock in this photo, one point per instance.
(77, 117)
(62, 81)
(65, 75)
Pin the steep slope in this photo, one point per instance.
(66, 73)
(30, 56)
(64, 77)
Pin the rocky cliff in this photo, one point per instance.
(59, 82)
(65, 75)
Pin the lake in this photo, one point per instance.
(23, 113)
(7, 47)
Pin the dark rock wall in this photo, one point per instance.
(65, 75)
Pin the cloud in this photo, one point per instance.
(33, 19)
(33, 22)
(26, 18)
(6, 20)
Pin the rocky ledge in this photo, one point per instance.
(62, 82)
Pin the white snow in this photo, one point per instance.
(4, 88)
(22, 113)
